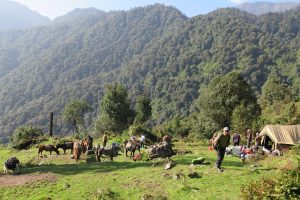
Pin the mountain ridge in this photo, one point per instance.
(154, 50)
(18, 16)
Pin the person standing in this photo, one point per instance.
(249, 137)
(220, 143)
(142, 139)
(104, 139)
(236, 139)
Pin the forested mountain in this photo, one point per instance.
(260, 8)
(154, 50)
(16, 16)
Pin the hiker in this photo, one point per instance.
(104, 139)
(142, 139)
(236, 139)
(249, 137)
(220, 143)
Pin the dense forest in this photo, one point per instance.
(153, 50)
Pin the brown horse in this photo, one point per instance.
(85, 145)
(48, 147)
(132, 146)
(77, 149)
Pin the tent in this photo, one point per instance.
(282, 136)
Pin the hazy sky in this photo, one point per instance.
(54, 8)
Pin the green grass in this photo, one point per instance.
(125, 179)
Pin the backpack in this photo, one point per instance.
(216, 142)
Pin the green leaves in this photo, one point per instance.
(224, 95)
(143, 109)
(74, 113)
(115, 112)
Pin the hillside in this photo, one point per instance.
(260, 8)
(153, 49)
(17, 16)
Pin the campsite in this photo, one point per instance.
(149, 100)
(60, 177)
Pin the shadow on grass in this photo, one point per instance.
(70, 169)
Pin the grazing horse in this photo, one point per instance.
(110, 151)
(48, 147)
(77, 149)
(132, 146)
(65, 146)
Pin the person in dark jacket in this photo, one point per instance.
(236, 139)
(220, 143)
(249, 137)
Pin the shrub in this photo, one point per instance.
(25, 136)
(287, 186)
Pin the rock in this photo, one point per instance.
(194, 175)
(183, 152)
(170, 164)
(198, 161)
(178, 176)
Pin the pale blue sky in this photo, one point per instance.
(54, 8)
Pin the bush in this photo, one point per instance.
(285, 187)
(25, 136)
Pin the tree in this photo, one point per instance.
(74, 113)
(244, 117)
(143, 109)
(274, 90)
(115, 112)
(221, 96)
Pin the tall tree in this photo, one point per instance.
(221, 96)
(115, 112)
(74, 113)
(143, 109)
(274, 90)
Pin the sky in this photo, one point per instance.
(55, 8)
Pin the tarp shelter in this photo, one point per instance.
(281, 135)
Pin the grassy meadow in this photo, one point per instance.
(126, 179)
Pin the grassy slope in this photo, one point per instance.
(130, 180)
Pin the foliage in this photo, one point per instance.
(75, 111)
(275, 90)
(222, 98)
(287, 186)
(138, 130)
(115, 113)
(154, 50)
(25, 136)
(142, 109)
(243, 117)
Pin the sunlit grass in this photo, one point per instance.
(132, 180)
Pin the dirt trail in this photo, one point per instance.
(21, 179)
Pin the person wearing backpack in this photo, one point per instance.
(220, 143)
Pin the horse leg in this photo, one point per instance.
(126, 153)
(64, 151)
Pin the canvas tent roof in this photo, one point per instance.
(282, 134)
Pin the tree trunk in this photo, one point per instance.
(51, 124)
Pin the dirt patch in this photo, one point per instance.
(21, 179)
